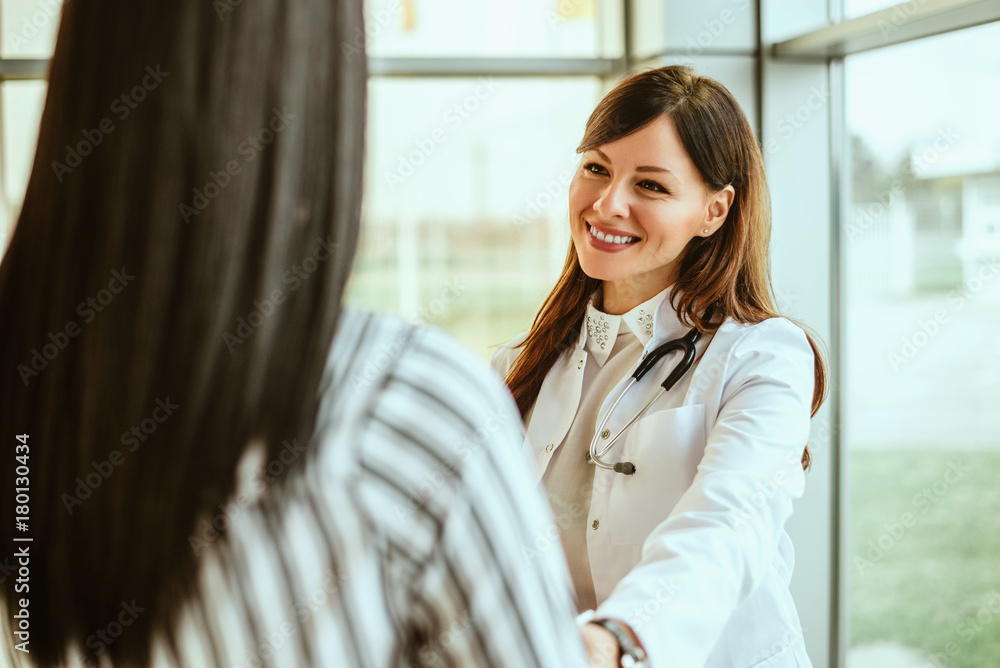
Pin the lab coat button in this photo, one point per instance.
(605, 433)
(596, 523)
(548, 448)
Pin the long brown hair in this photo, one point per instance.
(193, 158)
(725, 275)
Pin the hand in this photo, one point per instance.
(602, 648)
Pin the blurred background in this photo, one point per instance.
(879, 127)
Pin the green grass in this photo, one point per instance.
(937, 576)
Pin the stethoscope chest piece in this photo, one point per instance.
(685, 344)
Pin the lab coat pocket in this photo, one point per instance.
(665, 447)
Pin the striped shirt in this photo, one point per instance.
(412, 536)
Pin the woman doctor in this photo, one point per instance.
(682, 553)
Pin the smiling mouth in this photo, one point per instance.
(609, 238)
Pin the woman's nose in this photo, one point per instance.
(612, 202)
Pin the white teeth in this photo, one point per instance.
(610, 239)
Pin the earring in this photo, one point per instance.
(706, 230)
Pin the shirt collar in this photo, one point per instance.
(602, 328)
(640, 319)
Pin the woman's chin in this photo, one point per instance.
(598, 272)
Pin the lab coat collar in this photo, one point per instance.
(666, 324)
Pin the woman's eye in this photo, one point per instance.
(652, 186)
(594, 168)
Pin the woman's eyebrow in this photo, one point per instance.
(601, 153)
(652, 168)
(643, 168)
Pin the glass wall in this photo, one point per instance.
(921, 354)
(465, 213)
(29, 27)
(20, 110)
(514, 28)
(465, 217)
(853, 8)
(27, 31)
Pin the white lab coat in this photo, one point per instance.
(691, 550)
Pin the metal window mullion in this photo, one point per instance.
(471, 67)
(839, 577)
(893, 25)
(23, 68)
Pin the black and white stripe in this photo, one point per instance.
(407, 538)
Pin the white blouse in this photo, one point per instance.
(615, 343)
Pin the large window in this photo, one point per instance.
(467, 175)
(465, 221)
(921, 252)
(27, 32)
(513, 28)
(465, 218)
(29, 27)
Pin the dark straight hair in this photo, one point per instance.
(171, 289)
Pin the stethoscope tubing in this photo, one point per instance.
(687, 344)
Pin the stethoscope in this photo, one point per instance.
(685, 343)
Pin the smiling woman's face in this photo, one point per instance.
(634, 205)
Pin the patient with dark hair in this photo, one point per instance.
(225, 467)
